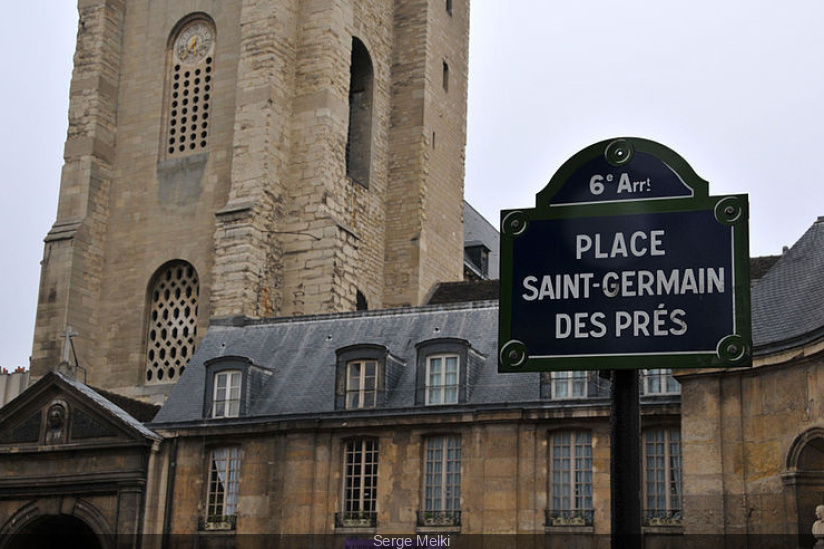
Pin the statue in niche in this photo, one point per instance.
(818, 526)
(55, 421)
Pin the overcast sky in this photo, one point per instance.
(735, 87)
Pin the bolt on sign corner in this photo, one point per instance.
(625, 262)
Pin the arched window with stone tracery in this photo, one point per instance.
(172, 321)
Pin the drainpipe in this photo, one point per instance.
(170, 495)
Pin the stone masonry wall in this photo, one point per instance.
(72, 266)
(291, 476)
(249, 238)
(161, 208)
(265, 213)
(424, 227)
(739, 428)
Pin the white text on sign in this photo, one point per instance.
(597, 184)
(663, 320)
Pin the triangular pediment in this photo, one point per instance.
(59, 413)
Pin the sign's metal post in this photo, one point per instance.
(625, 461)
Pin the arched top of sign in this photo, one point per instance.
(622, 169)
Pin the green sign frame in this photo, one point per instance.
(626, 262)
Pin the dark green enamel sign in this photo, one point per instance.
(625, 262)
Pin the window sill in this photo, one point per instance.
(355, 529)
(437, 529)
(569, 529)
(667, 530)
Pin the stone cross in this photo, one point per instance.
(68, 334)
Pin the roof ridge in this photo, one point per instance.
(244, 321)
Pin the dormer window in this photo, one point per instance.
(442, 376)
(365, 376)
(226, 398)
(569, 384)
(660, 382)
(361, 384)
(227, 393)
(442, 379)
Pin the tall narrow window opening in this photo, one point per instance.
(359, 134)
(662, 479)
(360, 479)
(442, 478)
(224, 483)
(571, 478)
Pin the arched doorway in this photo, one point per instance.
(55, 531)
(805, 480)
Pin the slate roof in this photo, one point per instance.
(141, 411)
(478, 229)
(301, 352)
(107, 405)
(787, 294)
(463, 292)
(759, 266)
(787, 302)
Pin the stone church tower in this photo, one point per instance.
(249, 157)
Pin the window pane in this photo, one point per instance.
(442, 379)
(662, 448)
(571, 471)
(224, 483)
(442, 479)
(361, 476)
(361, 384)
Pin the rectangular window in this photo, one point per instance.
(442, 477)
(361, 384)
(660, 382)
(569, 384)
(662, 476)
(571, 478)
(226, 398)
(442, 375)
(224, 481)
(360, 479)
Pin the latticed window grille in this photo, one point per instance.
(172, 322)
(189, 92)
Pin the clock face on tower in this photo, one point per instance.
(194, 43)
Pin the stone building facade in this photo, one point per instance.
(397, 423)
(253, 157)
(77, 469)
(754, 438)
